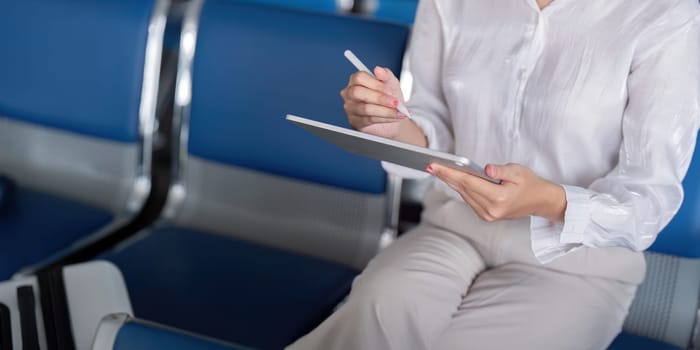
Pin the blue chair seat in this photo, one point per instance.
(626, 341)
(42, 225)
(229, 289)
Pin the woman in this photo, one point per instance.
(588, 113)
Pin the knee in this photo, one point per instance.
(379, 291)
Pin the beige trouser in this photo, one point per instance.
(456, 282)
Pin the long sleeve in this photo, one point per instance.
(631, 204)
(427, 103)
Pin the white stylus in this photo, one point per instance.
(361, 67)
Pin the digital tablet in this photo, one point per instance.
(381, 148)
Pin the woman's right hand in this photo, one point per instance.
(370, 103)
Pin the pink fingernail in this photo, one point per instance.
(489, 170)
(395, 103)
(401, 115)
(429, 169)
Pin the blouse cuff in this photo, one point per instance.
(577, 214)
(429, 130)
(550, 240)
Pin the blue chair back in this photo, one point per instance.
(401, 11)
(278, 62)
(73, 65)
(682, 235)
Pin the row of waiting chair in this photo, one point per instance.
(664, 309)
(82, 125)
(258, 228)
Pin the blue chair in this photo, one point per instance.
(78, 87)
(121, 332)
(665, 308)
(265, 225)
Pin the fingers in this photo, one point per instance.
(509, 172)
(520, 194)
(360, 109)
(488, 200)
(385, 74)
(477, 202)
(479, 209)
(467, 182)
(360, 93)
(393, 86)
(362, 115)
(368, 102)
(367, 80)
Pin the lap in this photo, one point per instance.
(404, 298)
(530, 307)
(424, 258)
(432, 290)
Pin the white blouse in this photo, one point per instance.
(601, 96)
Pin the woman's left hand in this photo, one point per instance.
(521, 192)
